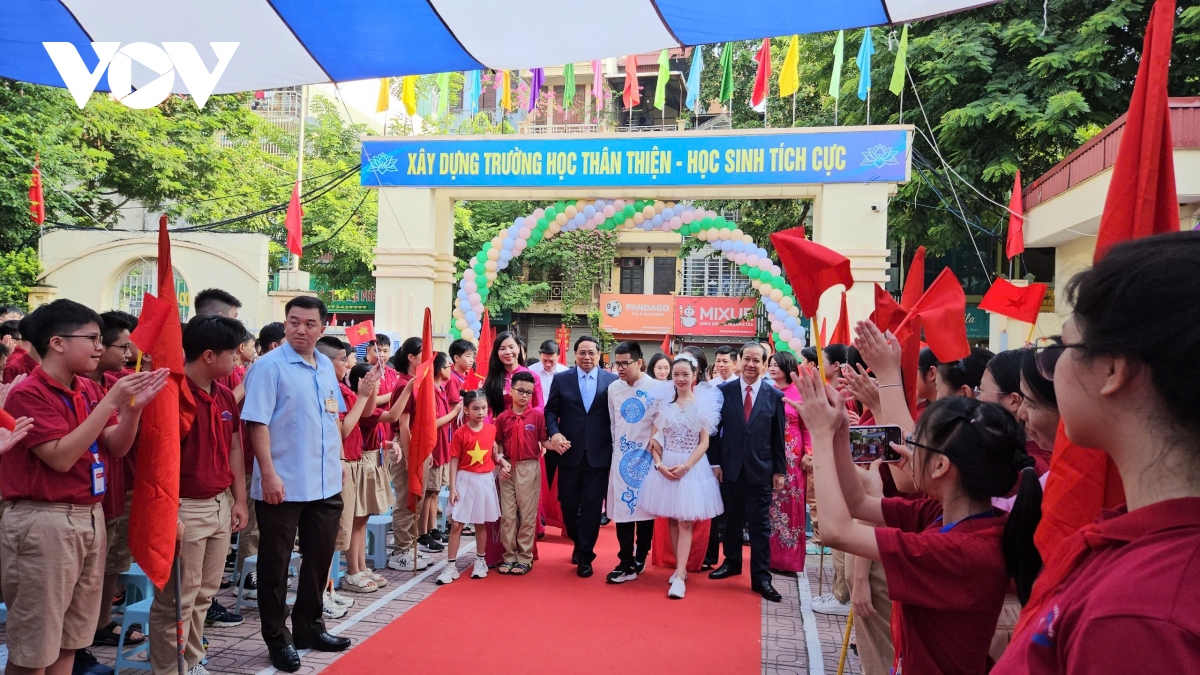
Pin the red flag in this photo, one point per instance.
(841, 330)
(424, 420)
(333, 319)
(914, 283)
(632, 95)
(811, 268)
(293, 223)
(484, 353)
(360, 333)
(1141, 197)
(564, 343)
(37, 205)
(1015, 302)
(666, 345)
(910, 361)
(943, 312)
(1016, 221)
(887, 315)
(165, 420)
(762, 78)
(823, 343)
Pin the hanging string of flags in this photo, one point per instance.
(787, 80)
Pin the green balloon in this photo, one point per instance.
(559, 207)
(487, 246)
(619, 218)
(743, 268)
(787, 289)
(775, 337)
(480, 269)
(542, 222)
(753, 272)
(639, 205)
(550, 213)
(686, 230)
(706, 223)
(720, 221)
(629, 210)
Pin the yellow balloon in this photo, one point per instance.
(659, 206)
(736, 234)
(794, 311)
(787, 303)
(714, 234)
(460, 323)
(748, 239)
(776, 294)
(638, 218)
(493, 254)
(571, 211)
(458, 313)
(468, 334)
(491, 276)
(491, 266)
(554, 228)
(702, 235)
(723, 235)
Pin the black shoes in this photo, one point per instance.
(709, 563)
(584, 570)
(285, 659)
(765, 589)
(324, 642)
(725, 570)
(428, 544)
(221, 617)
(604, 520)
(622, 574)
(574, 557)
(639, 565)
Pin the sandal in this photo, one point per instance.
(519, 569)
(359, 583)
(110, 635)
(506, 568)
(379, 579)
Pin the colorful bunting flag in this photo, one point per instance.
(383, 102)
(632, 94)
(443, 85)
(839, 55)
(898, 71)
(789, 77)
(762, 77)
(408, 94)
(597, 86)
(693, 81)
(537, 80)
(865, 51)
(664, 74)
(726, 73)
(472, 90)
(568, 85)
(506, 91)
(37, 202)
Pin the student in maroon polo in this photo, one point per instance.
(53, 539)
(1121, 594)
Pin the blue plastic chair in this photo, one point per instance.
(138, 612)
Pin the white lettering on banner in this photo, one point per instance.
(165, 61)
(723, 314)
(647, 308)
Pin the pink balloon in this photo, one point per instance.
(609, 211)
(619, 204)
(687, 217)
(523, 233)
(530, 222)
(538, 213)
(676, 223)
(474, 298)
(599, 218)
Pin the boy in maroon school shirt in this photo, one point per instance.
(21, 361)
(212, 490)
(52, 539)
(521, 433)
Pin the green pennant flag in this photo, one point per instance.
(664, 74)
(839, 55)
(897, 84)
(726, 73)
(568, 85)
(443, 84)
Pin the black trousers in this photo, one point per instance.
(716, 530)
(581, 492)
(317, 523)
(748, 505)
(626, 532)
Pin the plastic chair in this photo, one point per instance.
(135, 579)
(443, 502)
(249, 565)
(138, 612)
(3, 613)
(336, 569)
(377, 531)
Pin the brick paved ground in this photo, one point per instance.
(785, 643)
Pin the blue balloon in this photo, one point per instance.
(589, 211)
(508, 243)
(668, 214)
(580, 219)
(470, 316)
(771, 305)
(738, 246)
(518, 222)
(792, 323)
(762, 253)
(506, 255)
(782, 314)
(657, 220)
(501, 264)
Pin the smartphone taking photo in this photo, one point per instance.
(870, 443)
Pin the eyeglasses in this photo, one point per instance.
(523, 392)
(979, 392)
(912, 444)
(94, 337)
(125, 347)
(1047, 351)
(622, 364)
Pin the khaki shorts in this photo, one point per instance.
(53, 573)
(118, 558)
(352, 473)
(436, 477)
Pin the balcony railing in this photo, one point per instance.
(555, 292)
(643, 128)
(528, 127)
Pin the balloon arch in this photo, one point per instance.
(752, 260)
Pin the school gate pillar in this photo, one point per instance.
(414, 260)
(851, 218)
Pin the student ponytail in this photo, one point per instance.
(1021, 556)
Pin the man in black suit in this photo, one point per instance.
(748, 458)
(581, 433)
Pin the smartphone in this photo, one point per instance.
(868, 444)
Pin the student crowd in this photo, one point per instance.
(934, 553)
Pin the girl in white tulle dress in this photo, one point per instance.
(683, 488)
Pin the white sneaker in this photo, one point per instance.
(480, 570)
(448, 575)
(330, 609)
(340, 600)
(404, 562)
(829, 605)
(677, 589)
(199, 670)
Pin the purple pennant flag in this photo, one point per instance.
(535, 87)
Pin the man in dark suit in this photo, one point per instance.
(581, 433)
(747, 457)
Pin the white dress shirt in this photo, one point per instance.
(546, 376)
(742, 384)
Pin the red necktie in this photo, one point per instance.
(748, 404)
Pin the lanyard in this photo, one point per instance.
(951, 526)
(95, 449)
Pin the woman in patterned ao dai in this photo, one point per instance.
(683, 487)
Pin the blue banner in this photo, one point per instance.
(636, 161)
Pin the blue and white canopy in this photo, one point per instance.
(292, 42)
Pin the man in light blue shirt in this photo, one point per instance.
(291, 414)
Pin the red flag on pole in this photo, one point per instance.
(360, 333)
(1141, 202)
(424, 420)
(811, 268)
(823, 342)
(943, 312)
(914, 283)
(1016, 221)
(666, 344)
(37, 205)
(484, 353)
(887, 315)
(564, 343)
(333, 319)
(294, 223)
(1016, 302)
(632, 94)
(762, 77)
(841, 330)
(165, 420)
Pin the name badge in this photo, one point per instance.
(97, 478)
(331, 405)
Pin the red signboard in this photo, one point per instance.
(733, 317)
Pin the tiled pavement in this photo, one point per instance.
(240, 650)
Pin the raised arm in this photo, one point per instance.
(882, 354)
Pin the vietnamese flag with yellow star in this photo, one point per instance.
(360, 333)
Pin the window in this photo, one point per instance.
(664, 276)
(707, 274)
(142, 278)
(632, 275)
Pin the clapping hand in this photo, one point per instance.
(860, 386)
(9, 439)
(820, 407)
(368, 385)
(881, 351)
(134, 391)
(5, 388)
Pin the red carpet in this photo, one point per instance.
(552, 621)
